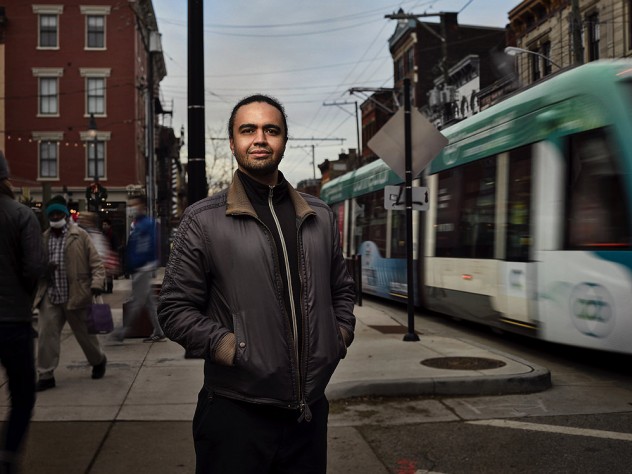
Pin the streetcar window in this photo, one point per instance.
(597, 203)
(370, 220)
(466, 218)
(398, 233)
(519, 205)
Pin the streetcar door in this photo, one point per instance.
(516, 279)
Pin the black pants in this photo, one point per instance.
(243, 438)
(17, 357)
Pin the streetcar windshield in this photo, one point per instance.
(598, 207)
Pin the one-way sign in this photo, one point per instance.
(395, 198)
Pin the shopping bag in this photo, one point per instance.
(99, 318)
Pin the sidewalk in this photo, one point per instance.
(138, 417)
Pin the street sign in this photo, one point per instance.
(395, 198)
(426, 140)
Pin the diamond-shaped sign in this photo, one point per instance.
(427, 142)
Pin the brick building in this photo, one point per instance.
(420, 53)
(377, 109)
(76, 96)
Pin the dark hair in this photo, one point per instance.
(252, 99)
(5, 188)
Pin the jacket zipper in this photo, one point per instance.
(304, 409)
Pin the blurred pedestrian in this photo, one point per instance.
(256, 285)
(88, 222)
(75, 275)
(23, 262)
(113, 269)
(141, 262)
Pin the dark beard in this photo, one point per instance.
(259, 171)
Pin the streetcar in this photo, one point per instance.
(529, 222)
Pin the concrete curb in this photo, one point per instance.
(537, 379)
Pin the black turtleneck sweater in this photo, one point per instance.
(260, 196)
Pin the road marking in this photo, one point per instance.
(519, 425)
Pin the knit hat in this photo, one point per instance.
(4, 167)
(57, 203)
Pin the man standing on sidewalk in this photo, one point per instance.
(22, 263)
(257, 286)
(76, 273)
(141, 261)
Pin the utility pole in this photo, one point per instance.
(365, 90)
(339, 104)
(153, 47)
(313, 147)
(196, 160)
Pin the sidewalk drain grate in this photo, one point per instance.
(463, 363)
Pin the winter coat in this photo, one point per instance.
(223, 277)
(22, 260)
(141, 246)
(84, 269)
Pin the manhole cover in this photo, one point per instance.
(463, 363)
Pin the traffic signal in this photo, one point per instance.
(96, 195)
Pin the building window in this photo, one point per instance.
(95, 25)
(48, 31)
(95, 95)
(48, 159)
(96, 157)
(95, 35)
(48, 96)
(96, 81)
(593, 37)
(629, 24)
(399, 69)
(536, 73)
(545, 50)
(48, 25)
(410, 59)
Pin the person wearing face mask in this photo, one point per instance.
(76, 273)
(141, 261)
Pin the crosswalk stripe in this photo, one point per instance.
(520, 425)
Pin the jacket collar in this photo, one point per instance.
(238, 202)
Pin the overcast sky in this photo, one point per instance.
(304, 53)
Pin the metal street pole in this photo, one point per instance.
(411, 335)
(196, 166)
(96, 160)
(150, 131)
(92, 129)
